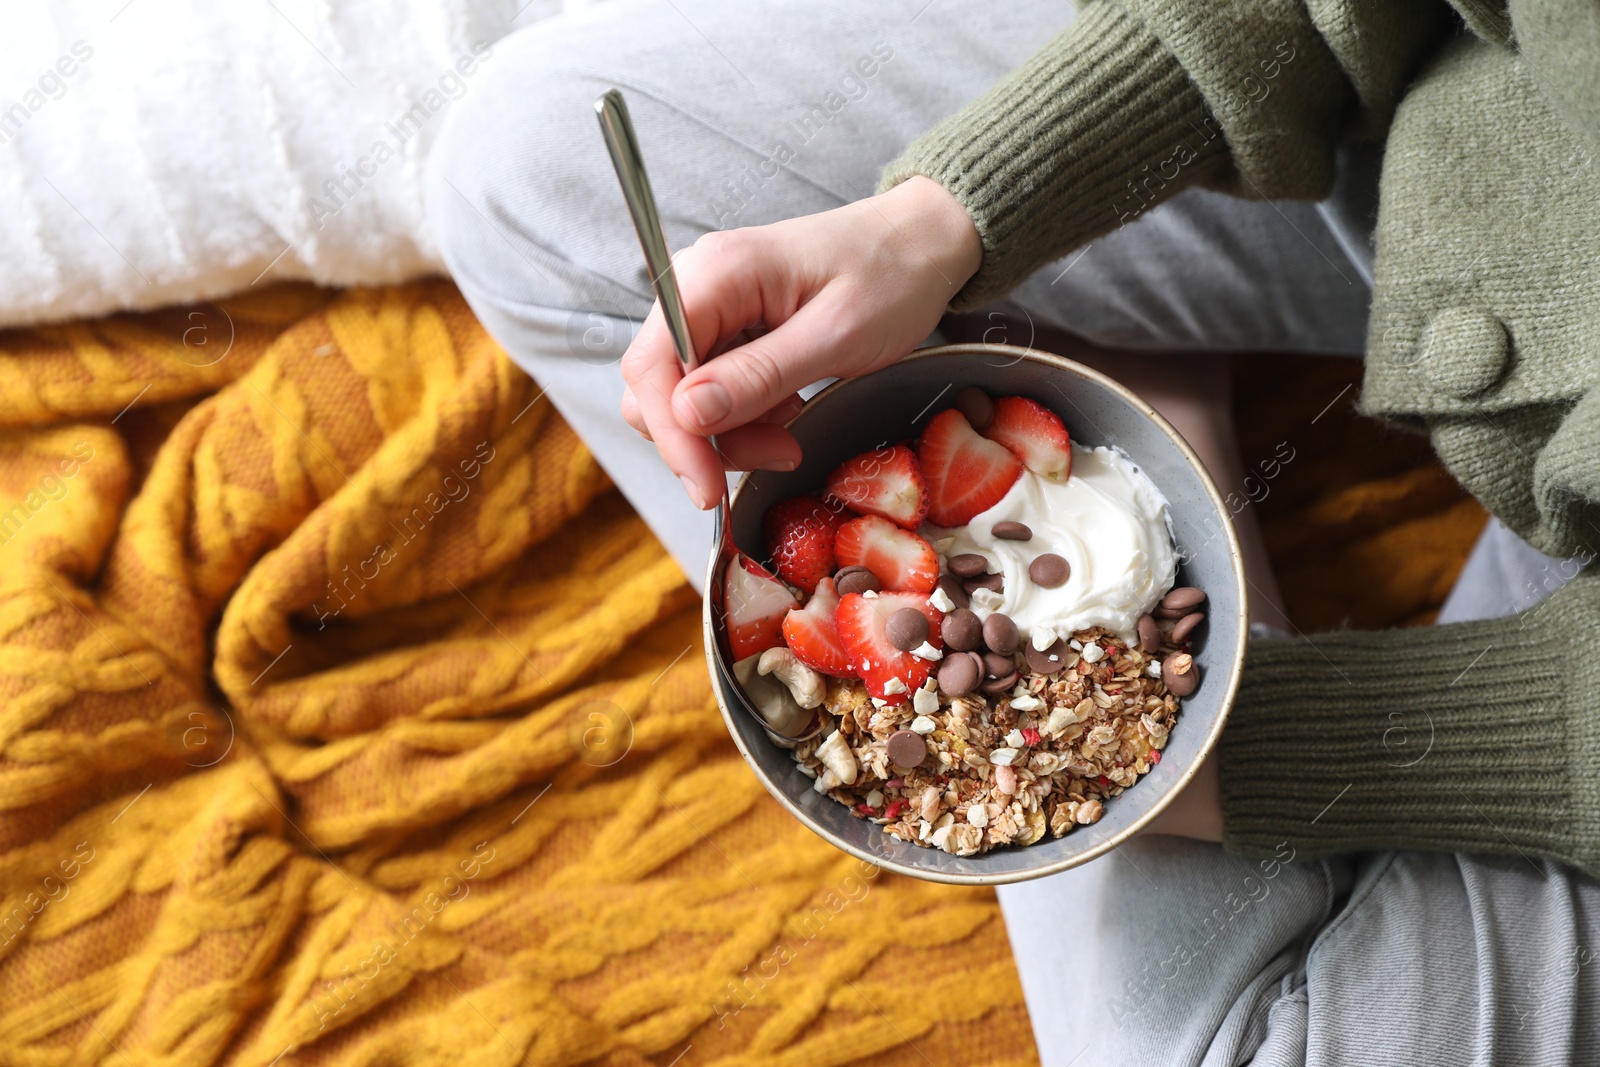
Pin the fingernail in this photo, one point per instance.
(779, 465)
(708, 402)
(693, 491)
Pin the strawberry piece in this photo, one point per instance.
(800, 534)
(812, 636)
(900, 559)
(1034, 435)
(887, 482)
(863, 627)
(755, 604)
(967, 474)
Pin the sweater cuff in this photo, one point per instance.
(1474, 737)
(1095, 129)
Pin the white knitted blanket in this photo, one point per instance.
(162, 151)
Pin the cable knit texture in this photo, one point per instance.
(1473, 737)
(350, 717)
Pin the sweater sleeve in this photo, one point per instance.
(1137, 100)
(1476, 737)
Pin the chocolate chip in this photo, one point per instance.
(1180, 673)
(906, 749)
(997, 666)
(1183, 599)
(1000, 634)
(1049, 570)
(961, 630)
(1041, 662)
(959, 675)
(996, 582)
(976, 405)
(906, 629)
(1012, 531)
(1186, 625)
(1000, 685)
(856, 580)
(1149, 633)
(966, 564)
(952, 589)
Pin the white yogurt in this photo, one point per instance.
(1110, 523)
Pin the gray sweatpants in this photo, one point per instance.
(1169, 951)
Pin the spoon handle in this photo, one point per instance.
(629, 163)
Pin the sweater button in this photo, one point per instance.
(1463, 351)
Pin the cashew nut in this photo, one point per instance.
(772, 700)
(804, 683)
(836, 756)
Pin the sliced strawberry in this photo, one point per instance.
(966, 474)
(863, 627)
(1034, 435)
(900, 559)
(811, 635)
(887, 482)
(800, 534)
(755, 604)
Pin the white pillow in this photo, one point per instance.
(163, 151)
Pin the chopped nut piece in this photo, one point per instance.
(1042, 757)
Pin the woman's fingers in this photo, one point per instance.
(785, 410)
(650, 368)
(760, 446)
(743, 384)
(631, 413)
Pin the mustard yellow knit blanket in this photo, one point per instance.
(347, 715)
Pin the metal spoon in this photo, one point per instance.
(617, 127)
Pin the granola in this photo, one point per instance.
(1006, 768)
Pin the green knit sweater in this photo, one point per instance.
(1485, 333)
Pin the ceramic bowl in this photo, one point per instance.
(853, 416)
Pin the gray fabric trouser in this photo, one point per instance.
(1168, 951)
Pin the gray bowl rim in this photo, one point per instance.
(1235, 557)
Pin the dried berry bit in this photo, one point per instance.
(976, 405)
(962, 631)
(960, 674)
(967, 564)
(1183, 599)
(1000, 634)
(1012, 531)
(1185, 626)
(856, 579)
(1180, 674)
(1049, 570)
(1149, 633)
(906, 629)
(906, 749)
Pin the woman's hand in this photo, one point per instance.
(841, 293)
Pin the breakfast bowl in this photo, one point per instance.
(859, 415)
